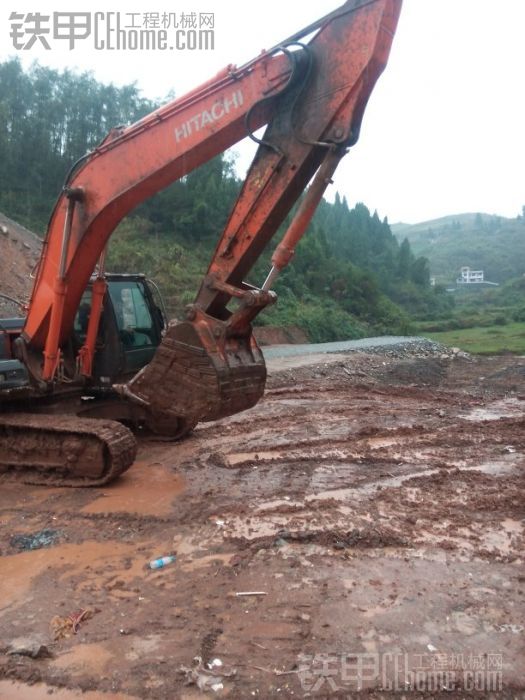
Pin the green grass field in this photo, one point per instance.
(492, 340)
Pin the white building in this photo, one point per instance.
(469, 276)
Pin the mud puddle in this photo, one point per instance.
(10, 690)
(95, 563)
(147, 489)
(504, 408)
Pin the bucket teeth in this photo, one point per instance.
(199, 373)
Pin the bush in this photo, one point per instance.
(519, 314)
(322, 321)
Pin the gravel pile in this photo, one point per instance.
(391, 346)
(417, 347)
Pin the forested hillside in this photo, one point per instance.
(486, 242)
(350, 276)
(48, 119)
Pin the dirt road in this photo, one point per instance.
(372, 507)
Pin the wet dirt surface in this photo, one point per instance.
(371, 507)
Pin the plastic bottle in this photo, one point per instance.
(162, 561)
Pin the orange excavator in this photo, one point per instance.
(95, 352)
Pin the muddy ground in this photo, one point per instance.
(374, 504)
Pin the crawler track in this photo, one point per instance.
(64, 450)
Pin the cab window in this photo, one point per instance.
(132, 314)
(82, 315)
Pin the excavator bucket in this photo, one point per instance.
(202, 371)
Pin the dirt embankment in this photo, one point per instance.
(272, 335)
(19, 253)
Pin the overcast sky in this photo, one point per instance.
(443, 132)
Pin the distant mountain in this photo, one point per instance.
(485, 242)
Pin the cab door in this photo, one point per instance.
(138, 331)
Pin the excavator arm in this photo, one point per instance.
(209, 366)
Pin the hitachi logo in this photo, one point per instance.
(208, 116)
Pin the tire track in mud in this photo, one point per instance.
(347, 473)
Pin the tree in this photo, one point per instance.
(404, 260)
(50, 119)
(420, 272)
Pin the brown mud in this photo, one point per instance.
(373, 506)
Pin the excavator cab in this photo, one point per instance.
(13, 374)
(130, 329)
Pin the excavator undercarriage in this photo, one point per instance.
(64, 450)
